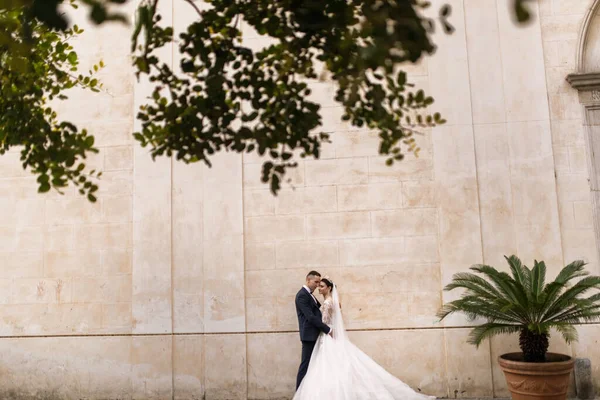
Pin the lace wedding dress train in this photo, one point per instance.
(339, 370)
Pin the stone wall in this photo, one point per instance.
(179, 282)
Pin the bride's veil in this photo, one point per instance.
(339, 331)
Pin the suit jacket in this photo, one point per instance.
(309, 317)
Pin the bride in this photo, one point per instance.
(338, 370)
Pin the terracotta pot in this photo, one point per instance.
(537, 381)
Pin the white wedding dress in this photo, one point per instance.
(338, 370)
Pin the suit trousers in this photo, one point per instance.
(307, 349)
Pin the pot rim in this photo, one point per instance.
(533, 368)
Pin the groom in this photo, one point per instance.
(309, 321)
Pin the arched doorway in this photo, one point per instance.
(586, 79)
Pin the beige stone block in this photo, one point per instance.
(22, 212)
(568, 133)
(427, 372)
(449, 70)
(263, 229)
(151, 367)
(391, 310)
(303, 200)
(258, 202)
(262, 361)
(224, 285)
(225, 379)
(116, 183)
(540, 242)
(116, 317)
(187, 246)
(253, 173)
(223, 209)
(152, 251)
(307, 254)
(109, 289)
(407, 222)
(112, 133)
(523, 69)
(495, 191)
(551, 53)
(105, 236)
(555, 79)
(485, 72)
(369, 197)
(356, 144)
(578, 159)
(71, 209)
(22, 264)
(280, 283)
(6, 288)
(117, 262)
(21, 239)
(422, 249)
(322, 93)
(188, 366)
(579, 244)
(19, 188)
(42, 291)
(381, 279)
(566, 215)
(564, 106)
(530, 203)
(71, 367)
(260, 256)
(572, 187)
(118, 158)
(188, 311)
(59, 237)
(332, 120)
(567, 52)
(372, 251)
(419, 169)
(287, 319)
(339, 171)
(561, 159)
(469, 373)
(72, 318)
(419, 194)
(583, 214)
(24, 319)
(561, 27)
(339, 225)
(72, 263)
(11, 166)
(117, 209)
(261, 314)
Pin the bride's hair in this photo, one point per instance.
(327, 282)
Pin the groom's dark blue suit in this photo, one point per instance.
(310, 324)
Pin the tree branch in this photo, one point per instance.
(191, 2)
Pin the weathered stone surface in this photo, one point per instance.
(583, 379)
(194, 270)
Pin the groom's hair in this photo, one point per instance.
(313, 273)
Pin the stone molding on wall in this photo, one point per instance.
(587, 82)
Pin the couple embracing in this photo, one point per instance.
(332, 368)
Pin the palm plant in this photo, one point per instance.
(522, 302)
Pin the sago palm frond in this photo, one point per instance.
(490, 329)
(523, 302)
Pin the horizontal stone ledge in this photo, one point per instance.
(101, 335)
(584, 81)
